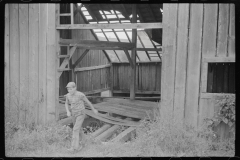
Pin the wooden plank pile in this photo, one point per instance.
(120, 127)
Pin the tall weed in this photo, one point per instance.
(24, 139)
(165, 137)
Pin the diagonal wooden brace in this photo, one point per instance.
(129, 58)
(80, 58)
(65, 62)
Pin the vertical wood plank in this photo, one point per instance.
(7, 63)
(115, 73)
(143, 76)
(181, 62)
(57, 36)
(193, 64)
(72, 15)
(222, 29)
(158, 77)
(133, 54)
(33, 63)
(168, 58)
(214, 88)
(204, 77)
(210, 79)
(210, 30)
(14, 64)
(152, 70)
(231, 34)
(42, 62)
(225, 87)
(137, 76)
(24, 81)
(220, 71)
(51, 70)
(140, 76)
(206, 110)
(232, 78)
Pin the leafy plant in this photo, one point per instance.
(226, 112)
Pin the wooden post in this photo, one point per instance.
(194, 62)
(133, 54)
(14, 60)
(222, 37)
(42, 61)
(7, 63)
(168, 59)
(111, 81)
(72, 70)
(71, 10)
(231, 36)
(33, 63)
(57, 32)
(51, 70)
(23, 44)
(181, 62)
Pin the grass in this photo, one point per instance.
(159, 137)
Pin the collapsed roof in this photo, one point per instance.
(121, 13)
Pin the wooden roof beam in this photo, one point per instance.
(85, 20)
(96, 44)
(123, 29)
(112, 30)
(112, 26)
(141, 19)
(93, 15)
(136, 31)
(108, 22)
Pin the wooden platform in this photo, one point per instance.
(124, 107)
(115, 112)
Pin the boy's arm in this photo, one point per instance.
(67, 109)
(89, 104)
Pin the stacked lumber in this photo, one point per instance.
(127, 111)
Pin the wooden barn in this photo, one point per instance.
(179, 55)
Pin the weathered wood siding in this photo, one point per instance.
(30, 57)
(91, 79)
(193, 36)
(86, 80)
(148, 77)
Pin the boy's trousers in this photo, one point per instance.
(77, 122)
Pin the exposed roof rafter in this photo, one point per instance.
(102, 31)
(137, 35)
(96, 37)
(110, 24)
(141, 19)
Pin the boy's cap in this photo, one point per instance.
(71, 84)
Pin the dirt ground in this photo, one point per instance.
(98, 150)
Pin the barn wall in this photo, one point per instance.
(193, 36)
(91, 79)
(30, 60)
(148, 77)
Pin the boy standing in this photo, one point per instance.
(76, 100)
